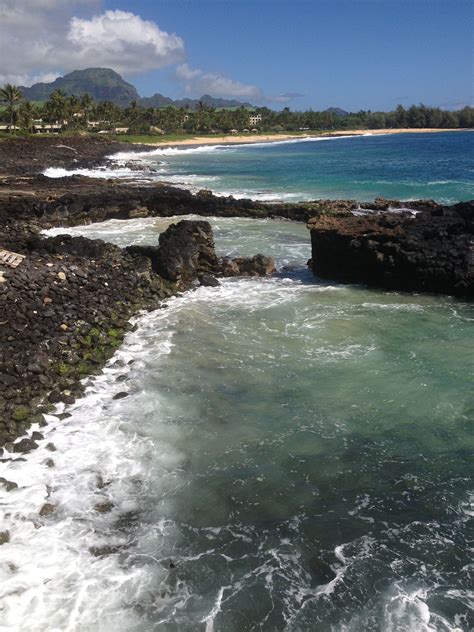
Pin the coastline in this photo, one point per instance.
(272, 138)
(46, 281)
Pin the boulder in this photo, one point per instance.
(431, 252)
(186, 250)
(259, 265)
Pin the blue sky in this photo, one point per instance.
(354, 54)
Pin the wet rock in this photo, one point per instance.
(51, 447)
(431, 252)
(47, 509)
(54, 397)
(207, 280)
(25, 445)
(186, 250)
(104, 507)
(8, 485)
(259, 265)
(49, 463)
(4, 537)
(121, 395)
(106, 549)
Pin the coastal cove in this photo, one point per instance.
(361, 167)
(280, 452)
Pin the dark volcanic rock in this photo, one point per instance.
(207, 280)
(432, 252)
(259, 265)
(186, 250)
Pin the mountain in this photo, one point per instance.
(102, 84)
(337, 112)
(159, 101)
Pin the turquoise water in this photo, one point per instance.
(291, 455)
(400, 166)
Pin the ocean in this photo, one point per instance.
(408, 166)
(293, 454)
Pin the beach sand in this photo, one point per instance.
(271, 138)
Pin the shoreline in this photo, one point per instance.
(274, 138)
(47, 282)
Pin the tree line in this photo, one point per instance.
(80, 113)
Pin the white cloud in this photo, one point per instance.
(123, 41)
(44, 37)
(198, 82)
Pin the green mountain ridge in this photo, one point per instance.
(102, 84)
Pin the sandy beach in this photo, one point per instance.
(271, 138)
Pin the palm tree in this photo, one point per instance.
(86, 105)
(57, 106)
(11, 95)
(26, 114)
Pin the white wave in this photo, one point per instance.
(408, 610)
(49, 577)
(245, 194)
(201, 149)
(99, 172)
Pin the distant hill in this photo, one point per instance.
(159, 101)
(103, 84)
(337, 112)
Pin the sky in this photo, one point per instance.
(353, 54)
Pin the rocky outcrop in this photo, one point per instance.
(432, 252)
(65, 309)
(26, 156)
(186, 252)
(259, 265)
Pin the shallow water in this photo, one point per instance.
(292, 455)
(396, 166)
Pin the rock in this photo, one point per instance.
(54, 397)
(207, 280)
(4, 537)
(106, 549)
(259, 265)
(51, 447)
(186, 250)
(25, 445)
(8, 485)
(49, 463)
(47, 509)
(120, 395)
(432, 252)
(21, 413)
(104, 507)
(61, 276)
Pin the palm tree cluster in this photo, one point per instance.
(83, 113)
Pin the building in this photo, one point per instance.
(47, 128)
(255, 119)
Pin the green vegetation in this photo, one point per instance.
(66, 113)
(103, 84)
